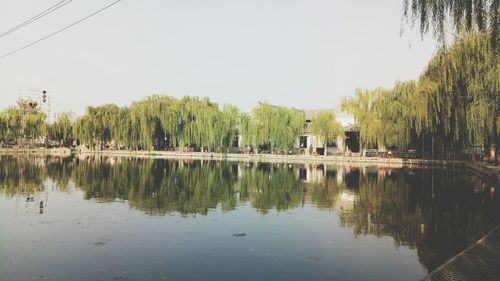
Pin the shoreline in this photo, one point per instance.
(479, 167)
(274, 158)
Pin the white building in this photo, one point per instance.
(308, 142)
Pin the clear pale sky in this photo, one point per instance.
(301, 53)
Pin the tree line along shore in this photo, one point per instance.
(455, 102)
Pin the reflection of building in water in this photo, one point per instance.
(345, 201)
(417, 207)
(311, 173)
(352, 176)
(340, 174)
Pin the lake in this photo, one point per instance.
(105, 218)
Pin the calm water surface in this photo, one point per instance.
(143, 219)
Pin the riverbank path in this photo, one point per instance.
(480, 262)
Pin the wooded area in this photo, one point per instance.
(456, 101)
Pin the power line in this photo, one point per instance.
(58, 31)
(36, 17)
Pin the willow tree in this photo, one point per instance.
(61, 128)
(326, 127)
(123, 133)
(35, 125)
(26, 121)
(144, 123)
(159, 122)
(401, 115)
(98, 125)
(9, 124)
(480, 74)
(154, 122)
(226, 126)
(275, 126)
(363, 107)
(285, 125)
(146, 129)
(207, 121)
(168, 116)
(471, 15)
(461, 87)
(82, 130)
(198, 120)
(260, 127)
(246, 129)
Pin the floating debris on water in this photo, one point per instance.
(315, 259)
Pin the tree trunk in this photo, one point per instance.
(325, 146)
(364, 149)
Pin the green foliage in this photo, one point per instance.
(456, 99)
(226, 126)
(400, 114)
(158, 187)
(26, 121)
(199, 122)
(9, 124)
(363, 106)
(98, 125)
(277, 126)
(273, 188)
(326, 127)
(62, 128)
(21, 175)
(417, 208)
(160, 122)
(471, 15)
(462, 88)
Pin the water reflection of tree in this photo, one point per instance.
(158, 187)
(21, 175)
(325, 194)
(271, 186)
(186, 188)
(59, 170)
(435, 211)
(384, 207)
(455, 216)
(438, 212)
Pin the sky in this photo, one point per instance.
(307, 54)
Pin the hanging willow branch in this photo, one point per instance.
(464, 15)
